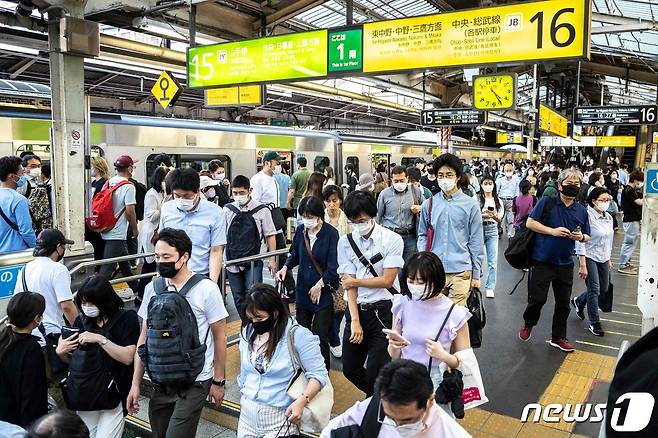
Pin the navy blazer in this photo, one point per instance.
(325, 252)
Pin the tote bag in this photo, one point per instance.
(473, 394)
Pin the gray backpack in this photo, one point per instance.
(172, 354)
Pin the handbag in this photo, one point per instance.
(478, 320)
(606, 298)
(473, 393)
(337, 294)
(317, 412)
(154, 236)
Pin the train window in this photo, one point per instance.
(198, 162)
(320, 163)
(354, 161)
(408, 161)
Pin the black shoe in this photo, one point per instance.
(596, 329)
(580, 312)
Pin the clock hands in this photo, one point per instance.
(500, 102)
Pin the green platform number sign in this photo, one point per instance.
(346, 50)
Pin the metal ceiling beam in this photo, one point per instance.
(287, 12)
(24, 65)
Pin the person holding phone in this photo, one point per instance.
(419, 313)
(493, 212)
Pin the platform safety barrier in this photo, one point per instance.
(251, 260)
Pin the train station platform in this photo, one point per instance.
(515, 373)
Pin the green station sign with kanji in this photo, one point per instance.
(345, 50)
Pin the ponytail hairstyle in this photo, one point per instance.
(21, 311)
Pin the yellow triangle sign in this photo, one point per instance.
(166, 89)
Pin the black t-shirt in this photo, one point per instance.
(431, 185)
(632, 211)
(124, 332)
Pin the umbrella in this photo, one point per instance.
(514, 148)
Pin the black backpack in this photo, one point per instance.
(519, 251)
(140, 194)
(478, 319)
(90, 384)
(243, 238)
(172, 354)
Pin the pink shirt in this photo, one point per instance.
(524, 205)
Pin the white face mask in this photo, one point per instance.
(219, 176)
(640, 185)
(509, 174)
(603, 206)
(241, 199)
(363, 228)
(309, 223)
(164, 186)
(400, 187)
(92, 172)
(447, 184)
(488, 188)
(184, 204)
(277, 168)
(35, 173)
(417, 291)
(406, 430)
(210, 194)
(90, 311)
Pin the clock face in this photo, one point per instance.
(494, 92)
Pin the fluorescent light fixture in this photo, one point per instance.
(19, 49)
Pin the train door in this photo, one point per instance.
(287, 165)
(377, 159)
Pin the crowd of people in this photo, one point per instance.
(399, 250)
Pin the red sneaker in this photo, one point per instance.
(563, 344)
(524, 333)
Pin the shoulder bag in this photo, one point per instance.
(430, 228)
(340, 305)
(12, 225)
(317, 412)
(368, 263)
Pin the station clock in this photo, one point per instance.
(494, 92)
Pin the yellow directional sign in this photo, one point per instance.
(234, 96)
(618, 141)
(166, 89)
(551, 121)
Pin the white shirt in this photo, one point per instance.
(208, 307)
(383, 241)
(121, 198)
(52, 280)
(599, 245)
(490, 202)
(264, 189)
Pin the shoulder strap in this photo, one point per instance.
(294, 354)
(429, 211)
(159, 285)
(256, 209)
(370, 424)
(193, 281)
(25, 289)
(233, 208)
(550, 203)
(364, 261)
(11, 224)
(436, 338)
(116, 186)
(309, 250)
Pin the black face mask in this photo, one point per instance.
(60, 256)
(167, 269)
(570, 191)
(261, 327)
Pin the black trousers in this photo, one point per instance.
(373, 347)
(146, 268)
(319, 323)
(288, 281)
(542, 276)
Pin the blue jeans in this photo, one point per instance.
(240, 282)
(631, 236)
(410, 246)
(491, 245)
(598, 280)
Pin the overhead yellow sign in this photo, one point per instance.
(655, 137)
(166, 89)
(234, 96)
(513, 33)
(551, 121)
(616, 141)
(503, 137)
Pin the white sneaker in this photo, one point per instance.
(337, 351)
(490, 293)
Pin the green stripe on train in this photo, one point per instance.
(39, 130)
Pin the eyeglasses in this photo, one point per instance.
(446, 175)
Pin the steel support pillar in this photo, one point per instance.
(69, 133)
(647, 284)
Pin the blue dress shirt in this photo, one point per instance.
(15, 207)
(508, 188)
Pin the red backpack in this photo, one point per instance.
(102, 214)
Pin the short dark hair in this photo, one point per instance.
(160, 159)
(311, 206)
(413, 173)
(403, 381)
(594, 194)
(185, 179)
(46, 170)
(331, 190)
(214, 165)
(241, 181)
(524, 186)
(594, 177)
(98, 291)
(450, 160)
(176, 238)
(398, 170)
(359, 202)
(59, 424)
(29, 157)
(302, 161)
(158, 178)
(427, 266)
(636, 175)
(8, 165)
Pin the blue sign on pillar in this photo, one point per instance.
(652, 182)
(8, 277)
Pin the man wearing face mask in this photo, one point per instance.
(48, 277)
(403, 407)
(174, 411)
(398, 207)
(283, 182)
(368, 295)
(631, 205)
(298, 183)
(507, 184)
(37, 195)
(248, 223)
(202, 220)
(556, 233)
(16, 232)
(453, 230)
(421, 165)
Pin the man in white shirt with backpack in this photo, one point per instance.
(184, 359)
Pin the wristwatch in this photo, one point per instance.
(220, 383)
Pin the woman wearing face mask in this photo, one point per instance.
(24, 394)
(530, 176)
(104, 325)
(595, 258)
(419, 313)
(223, 189)
(313, 249)
(266, 367)
(492, 214)
(152, 206)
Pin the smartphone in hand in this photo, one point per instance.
(395, 336)
(67, 332)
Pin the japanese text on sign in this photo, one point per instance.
(452, 117)
(616, 115)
